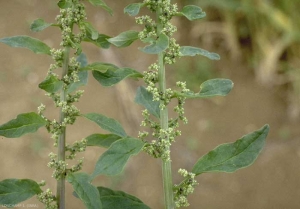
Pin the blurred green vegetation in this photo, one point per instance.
(263, 34)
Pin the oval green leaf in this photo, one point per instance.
(106, 123)
(51, 84)
(101, 4)
(14, 191)
(119, 200)
(113, 161)
(161, 44)
(112, 77)
(124, 39)
(27, 42)
(100, 66)
(145, 98)
(23, 124)
(102, 140)
(192, 51)
(233, 156)
(192, 12)
(210, 88)
(101, 41)
(39, 25)
(88, 193)
(133, 9)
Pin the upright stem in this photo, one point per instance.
(60, 194)
(166, 163)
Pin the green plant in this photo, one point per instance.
(63, 90)
(155, 97)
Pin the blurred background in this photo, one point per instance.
(258, 41)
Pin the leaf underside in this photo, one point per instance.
(133, 9)
(233, 156)
(158, 46)
(124, 39)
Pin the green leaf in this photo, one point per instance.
(39, 25)
(133, 9)
(82, 59)
(100, 66)
(51, 84)
(93, 33)
(145, 98)
(210, 88)
(87, 192)
(158, 46)
(113, 161)
(83, 75)
(124, 39)
(101, 41)
(119, 200)
(101, 4)
(112, 77)
(106, 123)
(63, 4)
(27, 42)
(102, 140)
(233, 156)
(192, 12)
(23, 124)
(192, 51)
(14, 191)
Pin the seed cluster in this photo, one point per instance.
(67, 19)
(162, 139)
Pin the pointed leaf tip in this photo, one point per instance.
(124, 39)
(27, 42)
(233, 156)
(39, 25)
(23, 124)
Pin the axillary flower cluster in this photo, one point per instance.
(62, 96)
(164, 136)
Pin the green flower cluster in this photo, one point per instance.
(185, 188)
(48, 199)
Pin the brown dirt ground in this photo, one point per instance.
(271, 183)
